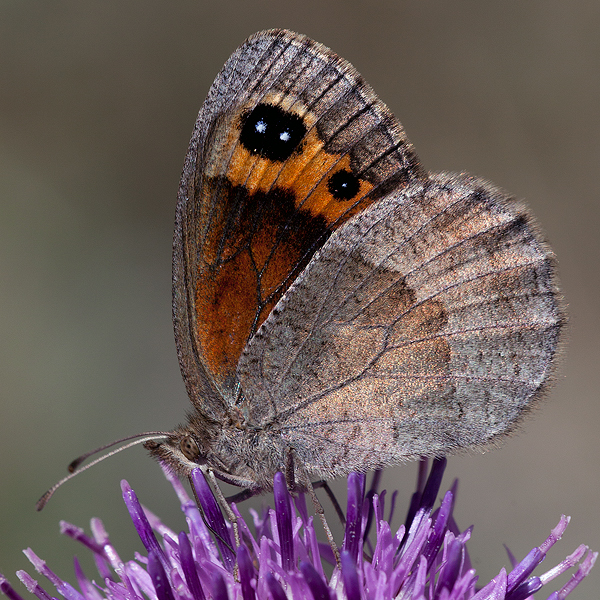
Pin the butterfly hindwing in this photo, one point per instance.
(425, 324)
(336, 307)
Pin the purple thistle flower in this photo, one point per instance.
(425, 559)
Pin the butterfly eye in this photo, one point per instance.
(189, 447)
(343, 185)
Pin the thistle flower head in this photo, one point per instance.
(279, 556)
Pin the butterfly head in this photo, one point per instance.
(187, 447)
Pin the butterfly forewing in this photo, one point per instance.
(289, 145)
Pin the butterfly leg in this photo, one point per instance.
(237, 481)
(334, 501)
(292, 463)
(243, 495)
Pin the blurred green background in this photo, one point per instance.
(97, 103)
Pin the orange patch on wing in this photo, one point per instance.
(227, 311)
(267, 218)
(247, 266)
(306, 174)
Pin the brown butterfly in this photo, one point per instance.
(336, 307)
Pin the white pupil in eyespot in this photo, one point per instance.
(261, 127)
(285, 136)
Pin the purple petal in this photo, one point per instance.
(326, 553)
(524, 569)
(314, 548)
(8, 589)
(214, 518)
(33, 587)
(494, 590)
(354, 514)
(41, 568)
(219, 589)
(464, 586)
(274, 587)
(427, 489)
(350, 575)
(413, 544)
(109, 552)
(434, 481)
(420, 578)
(85, 585)
(159, 577)
(434, 542)
(582, 572)
(315, 583)
(525, 590)
(189, 567)
(283, 516)
(368, 505)
(246, 572)
(555, 534)
(451, 568)
(383, 555)
(103, 568)
(139, 582)
(141, 523)
(564, 565)
(300, 502)
(198, 530)
(64, 589)
(77, 534)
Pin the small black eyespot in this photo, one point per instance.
(271, 132)
(343, 185)
(189, 447)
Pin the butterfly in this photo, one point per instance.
(337, 307)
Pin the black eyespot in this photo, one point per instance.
(343, 185)
(189, 447)
(271, 132)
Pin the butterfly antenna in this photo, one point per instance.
(74, 469)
